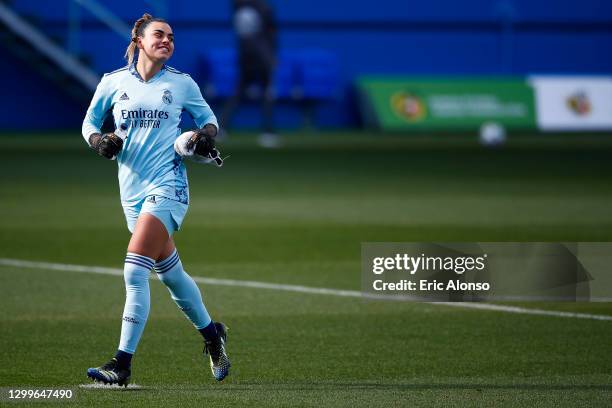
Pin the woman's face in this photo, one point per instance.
(158, 42)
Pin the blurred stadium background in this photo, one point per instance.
(380, 108)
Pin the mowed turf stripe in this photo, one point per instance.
(18, 263)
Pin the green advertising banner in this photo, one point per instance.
(409, 103)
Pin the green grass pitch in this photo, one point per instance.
(297, 215)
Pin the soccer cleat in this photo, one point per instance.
(109, 373)
(219, 361)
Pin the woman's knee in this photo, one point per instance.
(171, 278)
(136, 277)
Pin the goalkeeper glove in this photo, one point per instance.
(107, 145)
(199, 145)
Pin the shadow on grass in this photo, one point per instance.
(116, 388)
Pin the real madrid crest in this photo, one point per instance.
(167, 97)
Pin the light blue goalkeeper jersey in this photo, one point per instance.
(148, 164)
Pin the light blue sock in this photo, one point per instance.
(183, 289)
(137, 300)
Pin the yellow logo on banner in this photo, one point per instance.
(579, 103)
(408, 106)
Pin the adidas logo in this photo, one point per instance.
(151, 199)
(124, 97)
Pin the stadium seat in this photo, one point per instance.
(300, 74)
(220, 72)
(286, 78)
(318, 74)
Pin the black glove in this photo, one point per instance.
(106, 145)
(204, 142)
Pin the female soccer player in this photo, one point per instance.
(146, 99)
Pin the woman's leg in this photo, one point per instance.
(147, 243)
(150, 237)
(188, 298)
(183, 289)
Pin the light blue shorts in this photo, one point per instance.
(170, 212)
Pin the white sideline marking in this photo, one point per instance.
(303, 289)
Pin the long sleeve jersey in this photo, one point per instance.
(151, 112)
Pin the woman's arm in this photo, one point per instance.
(199, 109)
(100, 104)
